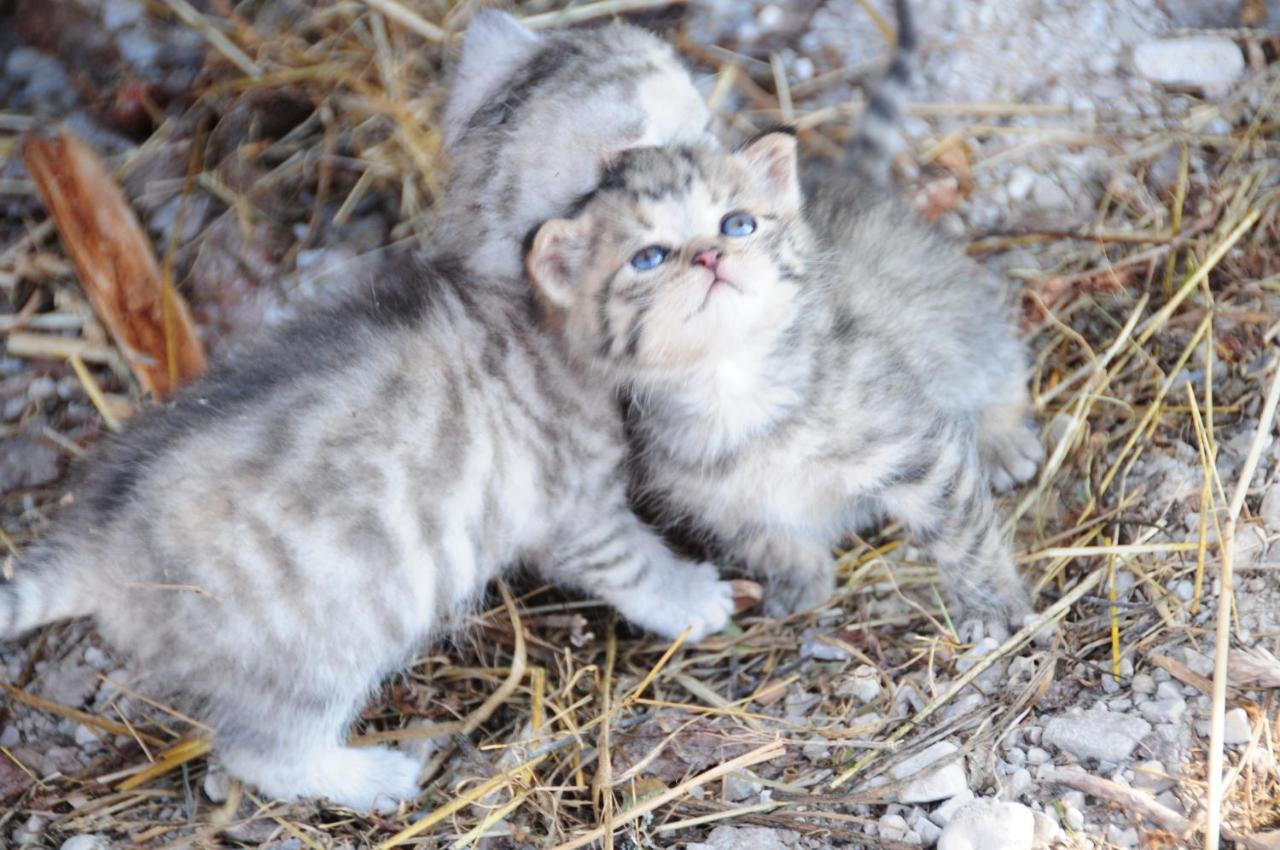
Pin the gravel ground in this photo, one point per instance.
(1056, 82)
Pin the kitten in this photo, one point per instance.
(797, 369)
(533, 117)
(290, 529)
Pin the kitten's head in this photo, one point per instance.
(682, 257)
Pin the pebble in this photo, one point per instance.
(1020, 183)
(1152, 776)
(741, 785)
(1270, 510)
(1074, 817)
(1036, 755)
(1236, 728)
(865, 684)
(819, 650)
(893, 827)
(217, 784)
(943, 814)
(1123, 838)
(1142, 683)
(1048, 830)
(931, 785)
(117, 14)
(990, 825)
(1207, 62)
(746, 838)
(86, 842)
(1101, 735)
(1164, 710)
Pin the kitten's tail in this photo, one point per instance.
(871, 148)
(35, 591)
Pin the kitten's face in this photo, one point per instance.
(680, 258)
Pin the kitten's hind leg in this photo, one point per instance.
(622, 560)
(297, 751)
(952, 512)
(1009, 444)
(799, 574)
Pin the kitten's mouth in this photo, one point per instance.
(717, 284)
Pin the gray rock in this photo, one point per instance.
(746, 838)
(1212, 63)
(819, 650)
(1164, 710)
(865, 684)
(990, 825)
(741, 785)
(1101, 735)
(1152, 776)
(893, 827)
(1236, 728)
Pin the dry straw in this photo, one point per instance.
(553, 723)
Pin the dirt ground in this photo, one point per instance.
(1117, 162)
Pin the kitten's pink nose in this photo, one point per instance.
(710, 258)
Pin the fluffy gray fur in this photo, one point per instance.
(839, 363)
(287, 532)
(532, 119)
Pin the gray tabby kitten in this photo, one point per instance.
(533, 117)
(797, 369)
(288, 531)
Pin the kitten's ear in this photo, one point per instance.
(554, 258)
(772, 157)
(494, 47)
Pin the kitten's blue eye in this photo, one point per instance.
(648, 258)
(738, 224)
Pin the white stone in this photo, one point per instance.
(944, 812)
(1236, 728)
(931, 785)
(865, 685)
(1036, 755)
(1123, 838)
(1020, 183)
(85, 737)
(1208, 62)
(1101, 735)
(1270, 510)
(893, 827)
(1074, 818)
(747, 838)
(86, 842)
(990, 825)
(1048, 831)
(217, 784)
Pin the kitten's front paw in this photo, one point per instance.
(1012, 454)
(789, 593)
(701, 601)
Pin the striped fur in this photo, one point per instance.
(872, 146)
(290, 529)
(533, 117)
(841, 363)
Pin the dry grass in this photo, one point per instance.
(554, 724)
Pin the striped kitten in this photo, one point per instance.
(288, 531)
(797, 369)
(533, 117)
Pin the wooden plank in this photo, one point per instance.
(117, 266)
